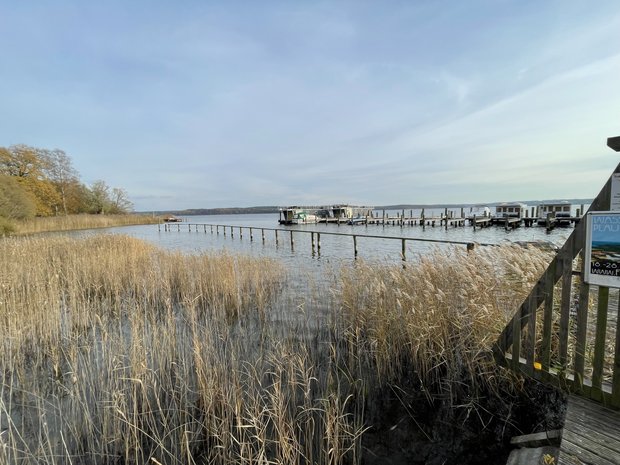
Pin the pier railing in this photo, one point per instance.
(289, 235)
(566, 332)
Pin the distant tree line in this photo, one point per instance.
(42, 182)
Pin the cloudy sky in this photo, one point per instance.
(190, 104)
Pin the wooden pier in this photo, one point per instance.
(591, 434)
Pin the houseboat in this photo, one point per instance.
(479, 211)
(554, 210)
(298, 215)
(350, 212)
(511, 210)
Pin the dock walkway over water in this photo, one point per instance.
(567, 333)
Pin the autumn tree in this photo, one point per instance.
(15, 202)
(61, 173)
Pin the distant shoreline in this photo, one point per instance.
(276, 209)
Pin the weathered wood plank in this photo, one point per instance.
(599, 342)
(615, 396)
(591, 433)
(567, 276)
(582, 333)
(545, 357)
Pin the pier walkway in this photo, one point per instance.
(591, 434)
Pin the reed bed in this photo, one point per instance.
(76, 222)
(117, 352)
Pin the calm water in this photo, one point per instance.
(334, 248)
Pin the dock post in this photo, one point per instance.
(178, 227)
(355, 245)
(262, 232)
(276, 237)
(159, 227)
(240, 233)
(318, 243)
(312, 239)
(217, 229)
(211, 229)
(292, 241)
(251, 235)
(582, 210)
(403, 250)
(232, 233)
(189, 228)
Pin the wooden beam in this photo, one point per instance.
(614, 143)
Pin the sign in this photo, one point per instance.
(602, 251)
(615, 192)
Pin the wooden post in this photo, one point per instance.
(318, 243)
(313, 244)
(292, 241)
(474, 221)
(211, 229)
(403, 250)
(262, 233)
(178, 227)
(217, 229)
(189, 228)
(355, 245)
(276, 237)
(251, 235)
(205, 228)
(232, 233)
(240, 233)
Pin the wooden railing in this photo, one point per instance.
(566, 332)
(288, 234)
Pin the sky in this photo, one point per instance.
(203, 104)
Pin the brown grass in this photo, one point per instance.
(76, 222)
(117, 352)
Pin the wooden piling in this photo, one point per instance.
(355, 246)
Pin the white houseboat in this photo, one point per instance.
(559, 210)
(479, 211)
(511, 210)
(298, 215)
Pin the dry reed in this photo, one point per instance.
(117, 352)
(76, 222)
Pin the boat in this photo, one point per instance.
(479, 211)
(298, 215)
(172, 219)
(511, 210)
(561, 209)
(350, 211)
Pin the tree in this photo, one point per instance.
(61, 173)
(120, 201)
(100, 197)
(15, 202)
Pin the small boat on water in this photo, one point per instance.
(479, 211)
(172, 219)
(298, 215)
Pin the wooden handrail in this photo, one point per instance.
(524, 349)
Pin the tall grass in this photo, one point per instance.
(117, 352)
(75, 222)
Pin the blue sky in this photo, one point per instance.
(207, 104)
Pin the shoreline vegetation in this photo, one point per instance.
(78, 222)
(115, 351)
